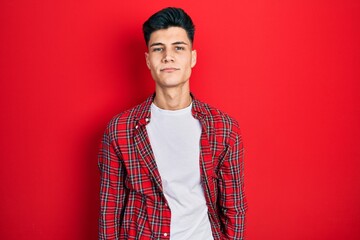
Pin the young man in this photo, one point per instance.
(171, 167)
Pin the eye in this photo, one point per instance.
(179, 48)
(158, 49)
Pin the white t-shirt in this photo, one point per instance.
(175, 141)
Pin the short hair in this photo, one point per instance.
(169, 17)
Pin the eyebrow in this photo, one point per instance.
(179, 42)
(161, 44)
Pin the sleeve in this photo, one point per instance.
(232, 200)
(112, 193)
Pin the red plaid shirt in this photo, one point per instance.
(133, 205)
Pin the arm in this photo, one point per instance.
(231, 194)
(112, 194)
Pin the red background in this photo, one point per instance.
(289, 71)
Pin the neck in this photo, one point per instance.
(172, 99)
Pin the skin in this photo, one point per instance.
(170, 59)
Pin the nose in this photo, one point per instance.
(168, 57)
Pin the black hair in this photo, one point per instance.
(169, 17)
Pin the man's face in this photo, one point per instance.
(170, 57)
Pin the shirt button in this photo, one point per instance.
(165, 234)
(147, 119)
(137, 126)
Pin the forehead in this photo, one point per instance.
(169, 35)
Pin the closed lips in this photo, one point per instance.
(169, 69)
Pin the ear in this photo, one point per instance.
(193, 58)
(147, 59)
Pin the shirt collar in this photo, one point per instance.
(199, 108)
(143, 112)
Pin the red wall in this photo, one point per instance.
(289, 71)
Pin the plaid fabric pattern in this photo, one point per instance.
(133, 205)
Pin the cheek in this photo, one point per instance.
(154, 63)
(151, 65)
(187, 70)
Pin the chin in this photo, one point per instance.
(170, 82)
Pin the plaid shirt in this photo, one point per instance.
(133, 205)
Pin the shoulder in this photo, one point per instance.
(219, 119)
(222, 126)
(124, 117)
(119, 120)
(124, 122)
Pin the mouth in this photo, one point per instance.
(169, 69)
